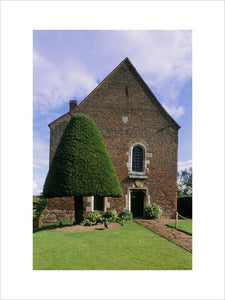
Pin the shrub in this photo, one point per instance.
(111, 215)
(41, 203)
(87, 222)
(153, 211)
(81, 165)
(126, 215)
(121, 222)
(93, 217)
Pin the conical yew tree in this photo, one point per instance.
(81, 165)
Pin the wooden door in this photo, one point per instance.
(137, 203)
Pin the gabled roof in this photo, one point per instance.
(146, 88)
(107, 78)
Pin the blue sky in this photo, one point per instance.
(70, 64)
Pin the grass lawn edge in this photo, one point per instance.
(172, 225)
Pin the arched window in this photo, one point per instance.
(137, 159)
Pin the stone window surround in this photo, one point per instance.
(128, 196)
(90, 208)
(134, 174)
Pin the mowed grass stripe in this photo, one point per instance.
(185, 226)
(131, 247)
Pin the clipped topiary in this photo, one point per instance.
(81, 165)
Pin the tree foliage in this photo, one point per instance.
(81, 165)
(184, 182)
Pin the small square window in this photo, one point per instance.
(99, 203)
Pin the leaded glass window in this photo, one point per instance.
(137, 159)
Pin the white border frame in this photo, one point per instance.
(18, 19)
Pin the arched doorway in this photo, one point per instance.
(137, 202)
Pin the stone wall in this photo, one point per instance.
(62, 209)
(57, 209)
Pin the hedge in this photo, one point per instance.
(40, 204)
(81, 165)
(184, 206)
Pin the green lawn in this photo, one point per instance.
(131, 247)
(185, 226)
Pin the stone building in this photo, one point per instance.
(142, 141)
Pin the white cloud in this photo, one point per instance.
(161, 54)
(35, 188)
(184, 165)
(163, 59)
(175, 111)
(40, 161)
(37, 166)
(38, 186)
(40, 151)
(55, 84)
